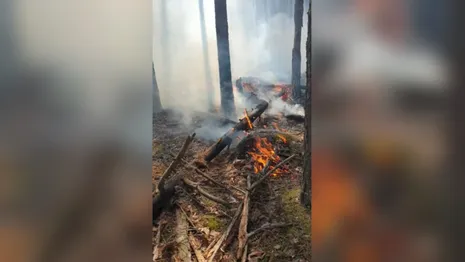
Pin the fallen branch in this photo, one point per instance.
(184, 253)
(262, 178)
(209, 178)
(212, 253)
(175, 162)
(188, 219)
(166, 192)
(244, 255)
(197, 253)
(205, 193)
(267, 226)
(156, 252)
(242, 235)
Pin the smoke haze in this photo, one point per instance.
(260, 40)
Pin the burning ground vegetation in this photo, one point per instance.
(231, 196)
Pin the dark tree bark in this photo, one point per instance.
(306, 196)
(224, 59)
(296, 56)
(156, 94)
(206, 61)
(455, 181)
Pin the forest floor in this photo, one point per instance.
(275, 201)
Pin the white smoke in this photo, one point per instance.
(261, 49)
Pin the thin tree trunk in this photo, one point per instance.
(296, 56)
(206, 61)
(224, 59)
(156, 94)
(305, 196)
(165, 41)
(455, 231)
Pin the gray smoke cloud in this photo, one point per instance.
(260, 45)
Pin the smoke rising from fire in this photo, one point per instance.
(259, 46)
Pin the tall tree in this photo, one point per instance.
(306, 196)
(296, 56)
(224, 59)
(206, 61)
(156, 94)
(165, 42)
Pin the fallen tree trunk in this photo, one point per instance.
(243, 125)
(183, 252)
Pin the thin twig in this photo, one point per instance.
(188, 219)
(205, 193)
(262, 178)
(244, 255)
(212, 253)
(197, 202)
(267, 226)
(157, 242)
(209, 178)
(174, 164)
(197, 253)
(242, 235)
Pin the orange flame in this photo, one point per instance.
(282, 138)
(249, 123)
(262, 153)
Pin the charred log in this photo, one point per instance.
(227, 138)
(296, 118)
(164, 200)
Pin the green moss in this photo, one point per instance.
(295, 212)
(157, 149)
(212, 222)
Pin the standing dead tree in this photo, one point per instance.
(206, 61)
(156, 94)
(224, 58)
(165, 42)
(305, 196)
(296, 56)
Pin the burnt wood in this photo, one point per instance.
(228, 137)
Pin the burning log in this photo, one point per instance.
(243, 125)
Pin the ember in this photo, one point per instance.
(262, 153)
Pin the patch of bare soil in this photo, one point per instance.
(226, 219)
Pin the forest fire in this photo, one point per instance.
(263, 154)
